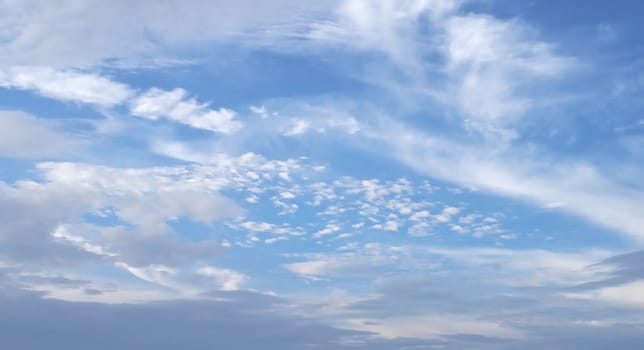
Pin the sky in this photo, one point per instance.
(411, 174)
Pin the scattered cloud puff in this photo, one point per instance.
(351, 207)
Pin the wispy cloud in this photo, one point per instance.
(176, 106)
(580, 188)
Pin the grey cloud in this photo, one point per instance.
(31, 211)
(625, 268)
(25, 136)
(629, 266)
(242, 322)
(169, 249)
(248, 320)
(28, 219)
(546, 319)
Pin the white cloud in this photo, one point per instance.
(297, 127)
(491, 71)
(287, 195)
(446, 214)
(275, 240)
(175, 105)
(257, 226)
(225, 278)
(67, 85)
(335, 266)
(158, 274)
(420, 229)
(329, 229)
(451, 211)
(390, 226)
(254, 227)
(419, 215)
(312, 268)
(317, 119)
(62, 233)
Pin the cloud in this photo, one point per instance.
(387, 26)
(88, 87)
(433, 327)
(140, 34)
(154, 235)
(176, 106)
(501, 267)
(510, 297)
(583, 189)
(629, 294)
(143, 196)
(254, 227)
(421, 229)
(486, 73)
(489, 60)
(390, 226)
(53, 225)
(328, 230)
(227, 279)
(338, 266)
(528, 268)
(25, 136)
(626, 267)
(67, 85)
(239, 320)
(298, 118)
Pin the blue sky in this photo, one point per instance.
(337, 174)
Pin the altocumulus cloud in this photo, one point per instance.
(350, 174)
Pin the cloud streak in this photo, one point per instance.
(174, 105)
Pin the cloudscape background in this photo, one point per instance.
(413, 174)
